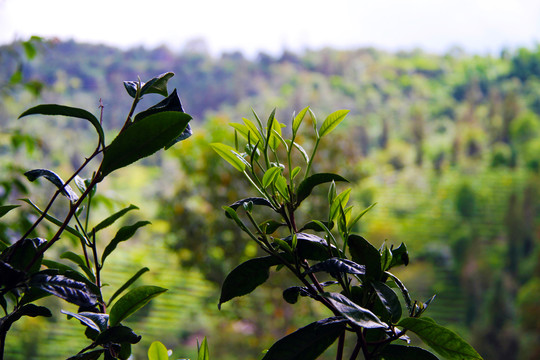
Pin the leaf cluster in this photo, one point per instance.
(364, 297)
(26, 275)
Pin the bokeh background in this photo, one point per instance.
(443, 134)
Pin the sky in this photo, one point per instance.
(250, 26)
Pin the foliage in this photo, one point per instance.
(360, 291)
(23, 279)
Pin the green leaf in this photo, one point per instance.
(79, 260)
(75, 292)
(66, 190)
(403, 289)
(143, 138)
(157, 85)
(127, 284)
(359, 216)
(254, 134)
(270, 176)
(83, 319)
(298, 120)
(125, 233)
(242, 129)
(312, 247)
(302, 151)
(26, 310)
(157, 351)
(307, 343)
(332, 121)
(389, 300)
(400, 256)
(133, 301)
(54, 220)
(444, 341)
(335, 266)
(355, 313)
(254, 200)
(202, 351)
(281, 186)
(4, 209)
(118, 334)
(230, 155)
(362, 252)
(21, 254)
(246, 277)
(306, 186)
(402, 352)
(340, 202)
(171, 103)
(53, 110)
(111, 219)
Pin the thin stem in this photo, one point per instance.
(312, 156)
(341, 346)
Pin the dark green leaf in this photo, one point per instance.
(61, 286)
(111, 219)
(400, 256)
(131, 88)
(21, 254)
(291, 294)
(336, 266)
(270, 226)
(306, 186)
(402, 352)
(79, 260)
(66, 190)
(362, 252)
(53, 109)
(355, 313)
(142, 139)
(4, 209)
(127, 284)
(123, 234)
(171, 103)
(403, 290)
(83, 319)
(118, 334)
(255, 200)
(386, 257)
(246, 277)
(26, 310)
(133, 301)
(312, 247)
(90, 355)
(307, 343)
(444, 341)
(157, 85)
(389, 301)
(9, 276)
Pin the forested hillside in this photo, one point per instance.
(448, 146)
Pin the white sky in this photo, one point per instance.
(478, 26)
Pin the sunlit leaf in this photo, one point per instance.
(133, 301)
(4, 209)
(111, 219)
(298, 120)
(444, 341)
(229, 154)
(332, 121)
(157, 351)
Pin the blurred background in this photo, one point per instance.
(443, 134)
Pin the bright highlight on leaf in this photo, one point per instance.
(229, 154)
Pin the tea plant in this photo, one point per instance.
(26, 275)
(359, 290)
